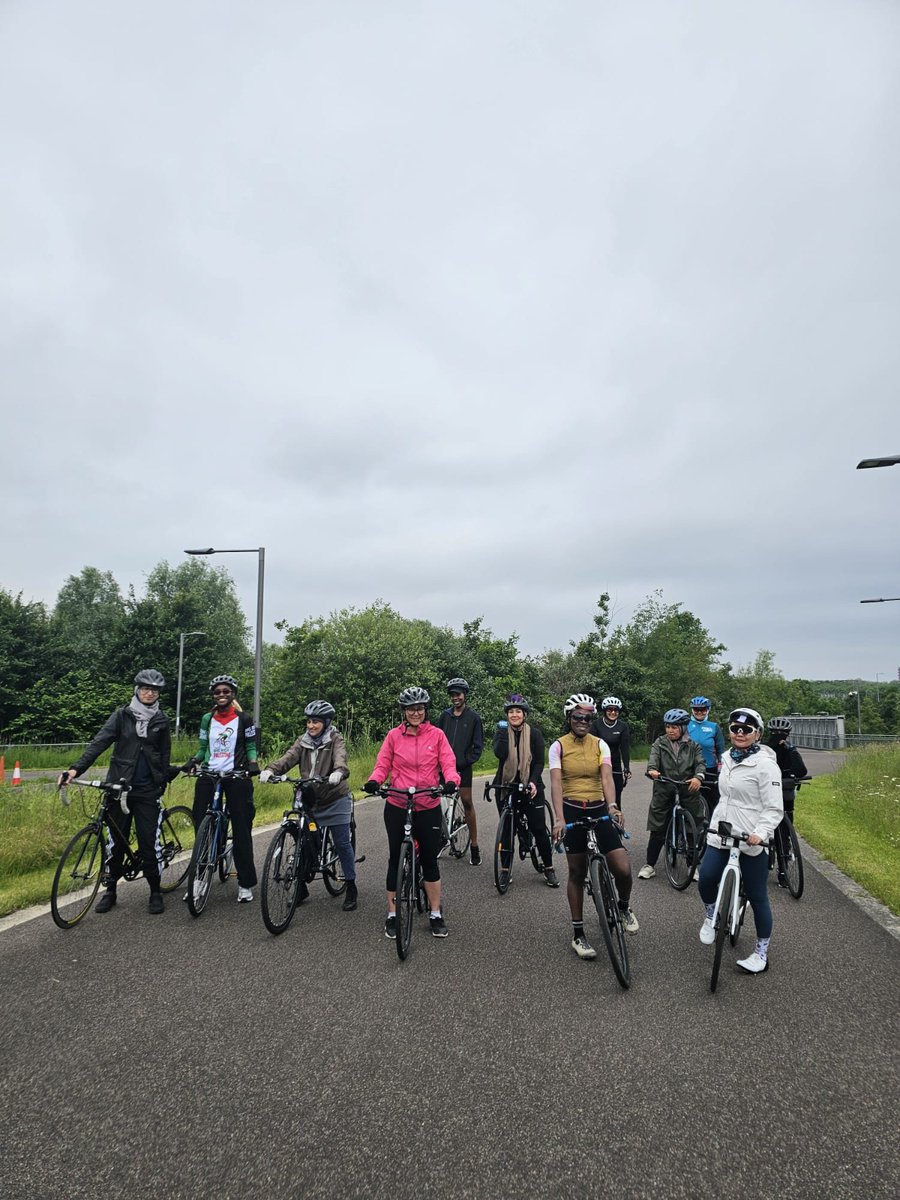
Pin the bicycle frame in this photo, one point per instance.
(728, 916)
(612, 924)
(106, 825)
(407, 884)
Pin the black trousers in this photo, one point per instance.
(147, 816)
(534, 815)
(239, 794)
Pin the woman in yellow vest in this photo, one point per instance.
(581, 785)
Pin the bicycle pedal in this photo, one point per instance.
(362, 858)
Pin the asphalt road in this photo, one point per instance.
(173, 1058)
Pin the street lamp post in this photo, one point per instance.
(257, 674)
(877, 688)
(858, 713)
(890, 461)
(181, 637)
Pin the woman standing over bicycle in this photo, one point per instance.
(142, 743)
(581, 785)
(678, 757)
(520, 750)
(415, 754)
(228, 743)
(321, 751)
(750, 800)
(610, 728)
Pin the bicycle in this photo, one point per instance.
(514, 824)
(454, 827)
(298, 852)
(731, 900)
(212, 847)
(601, 887)
(83, 865)
(682, 845)
(409, 889)
(785, 849)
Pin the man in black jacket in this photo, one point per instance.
(465, 733)
(141, 759)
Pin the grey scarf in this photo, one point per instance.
(143, 713)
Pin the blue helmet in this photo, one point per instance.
(676, 716)
(700, 702)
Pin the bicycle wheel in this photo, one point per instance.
(77, 877)
(536, 860)
(681, 849)
(734, 934)
(176, 837)
(606, 902)
(405, 898)
(280, 880)
(224, 851)
(504, 851)
(793, 861)
(459, 829)
(723, 920)
(332, 871)
(203, 864)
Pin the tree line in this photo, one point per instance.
(63, 669)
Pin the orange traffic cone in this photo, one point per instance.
(2, 767)
(17, 775)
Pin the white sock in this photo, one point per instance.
(762, 947)
(435, 914)
(710, 910)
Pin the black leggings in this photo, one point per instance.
(534, 813)
(239, 794)
(427, 833)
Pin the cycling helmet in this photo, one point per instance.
(516, 701)
(700, 702)
(229, 679)
(676, 716)
(414, 695)
(320, 710)
(780, 725)
(149, 678)
(457, 685)
(611, 702)
(746, 716)
(579, 700)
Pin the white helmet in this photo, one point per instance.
(579, 700)
(611, 702)
(746, 716)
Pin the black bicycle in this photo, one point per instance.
(513, 825)
(212, 848)
(785, 850)
(685, 842)
(409, 888)
(298, 852)
(84, 862)
(601, 887)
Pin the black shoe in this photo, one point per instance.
(438, 928)
(351, 897)
(304, 892)
(156, 904)
(550, 877)
(475, 856)
(390, 927)
(106, 901)
(523, 849)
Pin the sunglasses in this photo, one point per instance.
(586, 717)
(699, 710)
(735, 728)
(223, 692)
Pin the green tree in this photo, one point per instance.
(69, 709)
(87, 622)
(24, 651)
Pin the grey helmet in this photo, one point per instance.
(676, 716)
(516, 701)
(150, 679)
(226, 679)
(319, 710)
(414, 695)
(457, 685)
(780, 725)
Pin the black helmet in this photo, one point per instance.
(414, 695)
(457, 685)
(228, 679)
(150, 679)
(319, 710)
(516, 701)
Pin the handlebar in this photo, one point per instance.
(113, 789)
(295, 780)
(727, 833)
(587, 822)
(206, 773)
(504, 787)
(410, 792)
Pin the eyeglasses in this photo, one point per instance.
(586, 717)
(414, 708)
(735, 728)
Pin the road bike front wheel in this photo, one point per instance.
(792, 860)
(332, 871)
(504, 851)
(681, 849)
(281, 879)
(77, 877)
(176, 842)
(405, 897)
(203, 865)
(458, 828)
(723, 921)
(606, 902)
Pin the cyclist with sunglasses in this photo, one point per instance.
(750, 799)
(675, 756)
(709, 737)
(581, 785)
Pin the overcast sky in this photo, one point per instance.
(479, 307)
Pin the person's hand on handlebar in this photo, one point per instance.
(753, 839)
(653, 774)
(371, 786)
(532, 790)
(449, 789)
(694, 785)
(66, 777)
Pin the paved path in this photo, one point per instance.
(205, 1059)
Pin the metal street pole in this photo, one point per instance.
(877, 688)
(858, 713)
(260, 583)
(181, 637)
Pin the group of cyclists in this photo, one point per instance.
(589, 767)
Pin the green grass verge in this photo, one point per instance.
(853, 819)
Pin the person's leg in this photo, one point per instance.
(534, 813)
(755, 872)
(620, 868)
(344, 847)
(147, 820)
(239, 793)
(203, 792)
(394, 821)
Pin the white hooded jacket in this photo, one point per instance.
(749, 797)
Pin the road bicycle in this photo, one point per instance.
(409, 888)
(84, 862)
(682, 847)
(601, 887)
(731, 900)
(212, 847)
(454, 827)
(785, 850)
(299, 851)
(513, 825)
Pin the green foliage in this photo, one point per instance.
(68, 709)
(88, 623)
(24, 651)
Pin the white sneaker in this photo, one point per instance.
(707, 932)
(646, 872)
(754, 965)
(245, 895)
(631, 921)
(583, 947)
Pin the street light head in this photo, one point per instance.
(880, 600)
(209, 551)
(878, 462)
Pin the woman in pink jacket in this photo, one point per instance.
(415, 754)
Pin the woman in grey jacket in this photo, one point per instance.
(750, 800)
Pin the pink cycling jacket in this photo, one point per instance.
(415, 758)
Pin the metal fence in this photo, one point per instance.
(818, 733)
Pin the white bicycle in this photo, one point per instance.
(731, 900)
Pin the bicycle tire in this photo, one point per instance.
(176, 834)
(225, 855)
(405, 898)
(606, 902)
(793, 865)
(734, 934)
(332, 871)
(459, 832)
(723, 918)
(536, 860)
(680, 849)
(504, 851)
(281, 880)
(203, 864)
(77, 877)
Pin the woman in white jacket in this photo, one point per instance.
(750, 800)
